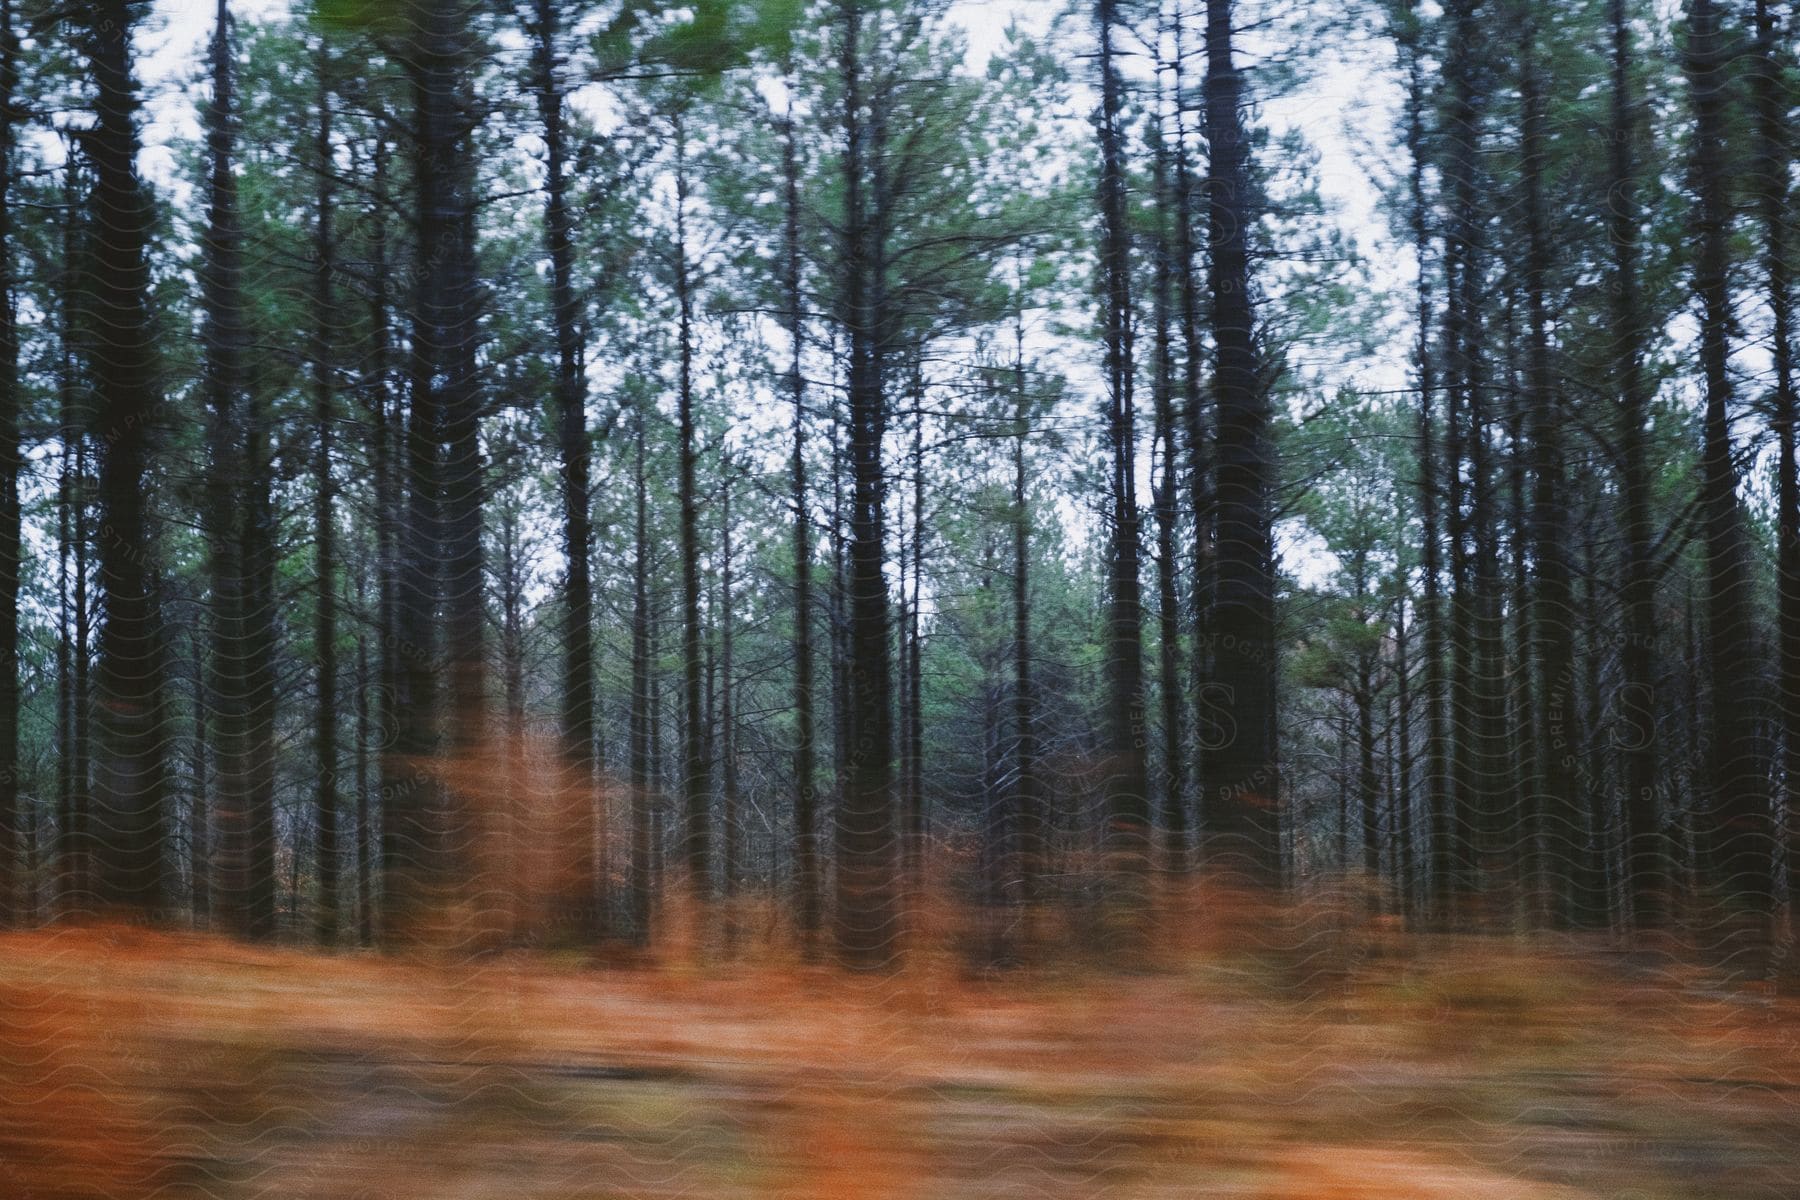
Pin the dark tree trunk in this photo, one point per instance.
(1164, 500)
(199, 820)
(395, 777)
(1549, 611)
(865, 815)
(1474, 581)
(1127, 834)
(67, 702)
(130, 824)
(696, 774)
(11, 464)
(642, 715)
(365, 840)
(1244, 787)
(440, 548)
(915, 664)
(1209, 709)
(1368, 781)
(1438, 868)
(730, 783)
(1775, 141)
(576, 465)
(1736, 819)
(240, 551)
(1405, 854)
(806, 820)
(1647, 852)
(1027, 804)
(325, 726)
(71, 850)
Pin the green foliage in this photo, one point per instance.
(702, 38)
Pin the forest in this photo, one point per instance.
(921, 506)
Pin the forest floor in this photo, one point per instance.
(1373, 1064)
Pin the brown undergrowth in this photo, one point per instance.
(1302, 1051)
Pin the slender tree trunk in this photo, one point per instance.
(732, 794)
(11, 527)
(572, 439)
(916, 823)
(73, 861)
(325, 752)
(1027, 804)
(66, 700)
(1245, 786)
(1647, 861)
(1210, 709)
(506, 826)
(1466, 462)
(1549, 612)
(806, 820)
(696, 772)
(199, 811)
(840, 618)
(1439, 861)
(396, 778)
(365, 840)
(1775, 139)
(641, 713)
(1164, 503)
(865, 816)
(1368, 782)
(1737, 820)
(1405, 872)
(1127, 840)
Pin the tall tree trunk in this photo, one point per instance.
(395, 777)
(441, 544)
(806, 820)
(1549, 612)
(730, 783)
(11, 527)
(915, 661)
(1438, 867)
(239, 557)
(1775, 141)
(1210, 710)
(1473, 562)
(1647, 852)
(696, 774)
(130, 824)
(72, 854)
(67, 702)
(642, 715)
(1368, 782)
(365, 840)
(1127, 840)
(325, 751)
(576, 455)
(839, 617)
(1405, 853)
(1737, 821)
(199, 821)
(865, 815)
(1244, 787)
(1027, 804)
(1164, 503)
